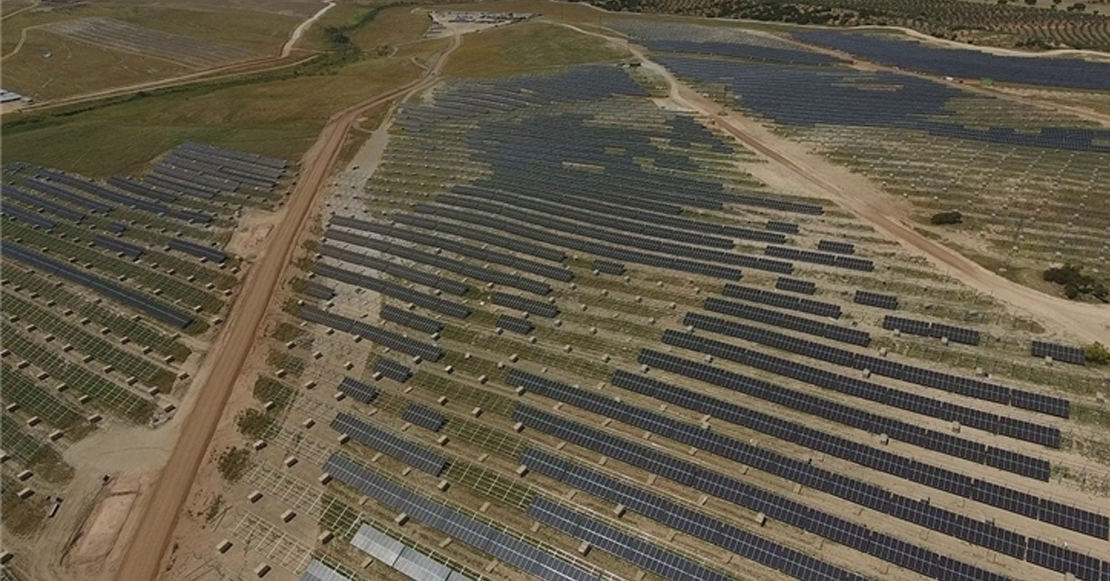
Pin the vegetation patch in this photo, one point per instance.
(269, 389)
(254, 423)
(1075, 283)
(1097, 354)
(944, 218)
(233, 463)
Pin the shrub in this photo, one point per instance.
(254, 423)
(269, 389)
(1097, 353)
(942, 218)
(1076, 283)
(233, 463)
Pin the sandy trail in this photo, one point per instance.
(812, 173)
(299, 30)
(215, 380)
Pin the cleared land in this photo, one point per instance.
(172, 47)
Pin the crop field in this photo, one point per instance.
(565, 329)
(108, 290)
(1025, 179)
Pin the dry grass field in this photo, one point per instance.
(529, 47)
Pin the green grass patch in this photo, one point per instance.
(528, 47)
(269, 389)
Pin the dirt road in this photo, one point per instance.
(813, 173)
(299, 30)
(216, 379)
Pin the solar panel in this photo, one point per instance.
(319, 291)
(795, 286)
(357, 390)
(196, 249)
(410, 320)
(432, 303)
(404, 272)
(393, 370)
(387, 443)
(318, 571)
(515, 324)
(424, 416)
(1057, 352)
(872, 299)
(608, 267)
(786, 321)
(836, 247)
(782, 301)
(522, 304)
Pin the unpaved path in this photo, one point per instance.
(299, 30)
(812, 173)
(34, 4)
(18, 45)
(217, 377)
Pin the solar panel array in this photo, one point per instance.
(449, 264)
(621, 233)
(116, 292)
(376, 334)
(837, 247)
(389, 444)
(785, 227)
(124, 200)
(1059, 352)
(432, 303)
(440, 242)
(393, 370)
(410, 320)
(423, 416)
(775, 506)
(319, 291)
(614, 252)
(400, 271)
(973, 417)
(358, 390)
(871, 299)
(318, 571)
(794, 285)
(515, 244)
(758, 295)
(927, 329)
(515, 324)
(40, 204)
(480, 535)
(737, 50)
(916, 56)
(32, 219)
(983, 533)
(795, 323)
(67, 196)
(527, 305)
(974, 388)
(608, 267)
(826, 259)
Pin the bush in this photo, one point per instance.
(269, 389)
(233, 463)
(254, 423)
(1076, 283)
(947, 218)
(1097, 353)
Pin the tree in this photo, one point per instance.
(942, 218)
(1031, 2)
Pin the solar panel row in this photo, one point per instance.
(527, 305)
(122, 199)
(129, 250)
(871, 299)
(927, 329)
(794, 285)
(786, 227)
(410, 320)
(423, 416)
(357, 390)
(427, 279)
(196, 249)
(377, 335)
(533, 233)
(1059, 352)
(319, 291)
(758, 295)
(836, 247)
(10, 193)
(835, 260)
(617, 237)
(393, 370)
(432, 303)
(28, 217)
(515, 324)
(142, 303)
(439, 242)
(389, 444)
(514, 244)
(607, 267)
(792, 322)
(449, 264)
